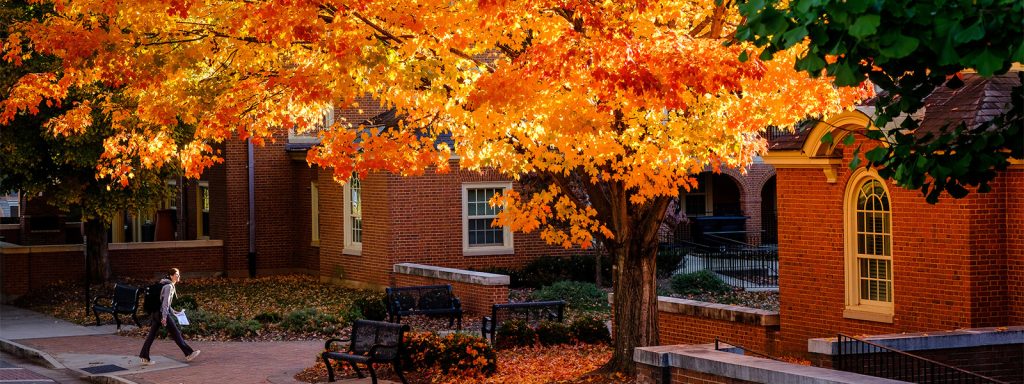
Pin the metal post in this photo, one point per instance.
(85, 253)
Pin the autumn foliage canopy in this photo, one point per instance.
(641, 93)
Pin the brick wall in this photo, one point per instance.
(1014, 182)
(1000, 362)
(677, 328)
(476, 299)
(282, 198)
(411, 219)
(647, 374)
(683, 321)
(947, 262)
(22, 271)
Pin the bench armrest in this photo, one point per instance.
(456, 303)
(109, 299)
(327, 344)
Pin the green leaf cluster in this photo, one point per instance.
(907, 48)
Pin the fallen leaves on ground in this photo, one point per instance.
(563, 364)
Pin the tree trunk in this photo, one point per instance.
(96, 249)
(635, 306)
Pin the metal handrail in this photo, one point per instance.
(924, 371)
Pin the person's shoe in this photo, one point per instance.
(192, 356)
(147, 362)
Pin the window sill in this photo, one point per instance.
(878, 315)
(488, 251)
(352, 251)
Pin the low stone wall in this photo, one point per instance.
(994, 352)
(25, 268)
(477, 290)
(703, 364)
(682, 321)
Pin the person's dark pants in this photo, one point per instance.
(172, 329)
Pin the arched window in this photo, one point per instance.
(869, 272)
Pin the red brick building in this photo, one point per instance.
(861, 256)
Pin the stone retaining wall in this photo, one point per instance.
(703, 364)
(477, 290)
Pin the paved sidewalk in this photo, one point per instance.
(60, 344)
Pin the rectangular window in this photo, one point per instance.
(353, 216)
(203, 210)
(480, 237)
(314, 203)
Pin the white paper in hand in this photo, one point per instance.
(182, 320)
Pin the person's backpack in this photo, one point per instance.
(151, 303)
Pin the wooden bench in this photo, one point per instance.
(125, 301)
(371, 342)
(431, 300)
(531, 312)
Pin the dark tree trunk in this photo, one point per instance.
(635, 306)
(96, 249)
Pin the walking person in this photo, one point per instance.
(163, 318)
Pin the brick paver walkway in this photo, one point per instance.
(220, 362)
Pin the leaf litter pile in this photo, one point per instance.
(562, 364)
(240, 300)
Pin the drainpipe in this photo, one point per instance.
(252, 210)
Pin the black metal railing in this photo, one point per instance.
(744, 266)
(867, 358)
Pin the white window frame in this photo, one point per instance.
(507, 248)
(314, 203)
(857, 308)
(352, 247)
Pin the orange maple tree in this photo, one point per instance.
(614, 105)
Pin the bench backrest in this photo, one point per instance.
(532, 312)
(387, 336)
(126, 297)
(427, 297)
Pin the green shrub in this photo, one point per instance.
(579, 295)
(422, 350)
(461, 353)
(582, 268)
(699, 282)
(370, 307)
(268, 317)
(312, 320)
(668, 261)
(590, 330)
(515, 333)
(455, 353)
(545, 271)
(553, 332)
(242, 328)
(185, 302)
(202, 323)
(548, 270)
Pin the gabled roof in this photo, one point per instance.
(977, 101)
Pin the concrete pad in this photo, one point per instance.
(19, 324)
(131, 364)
